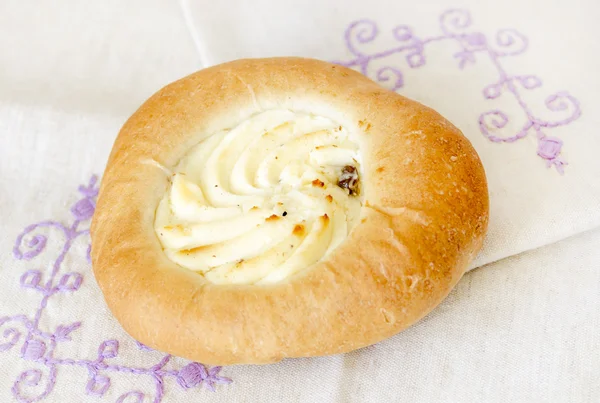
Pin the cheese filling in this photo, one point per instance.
(262, 201)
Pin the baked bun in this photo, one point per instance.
(286, 207)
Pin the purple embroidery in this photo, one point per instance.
(507, 42)
(142, 347)
(139, 396)
(193, 374)
(39, 345)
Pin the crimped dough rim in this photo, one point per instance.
(424, 217)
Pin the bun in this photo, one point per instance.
(403, 222)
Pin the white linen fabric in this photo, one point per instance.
(521, 329)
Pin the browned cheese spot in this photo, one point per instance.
(196, 249)
(281, 126)
(178, 227)
(318, 183)
(298, 230)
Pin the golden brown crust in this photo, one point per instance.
(424, 219)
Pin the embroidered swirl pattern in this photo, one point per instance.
(261, 201)
(38, 345)
(454, 25)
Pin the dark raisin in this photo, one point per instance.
(349, 179)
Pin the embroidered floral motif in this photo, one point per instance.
(39, 345)
(454, 25)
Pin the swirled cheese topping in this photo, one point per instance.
(261, 201)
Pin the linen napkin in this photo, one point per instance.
(518, 78)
